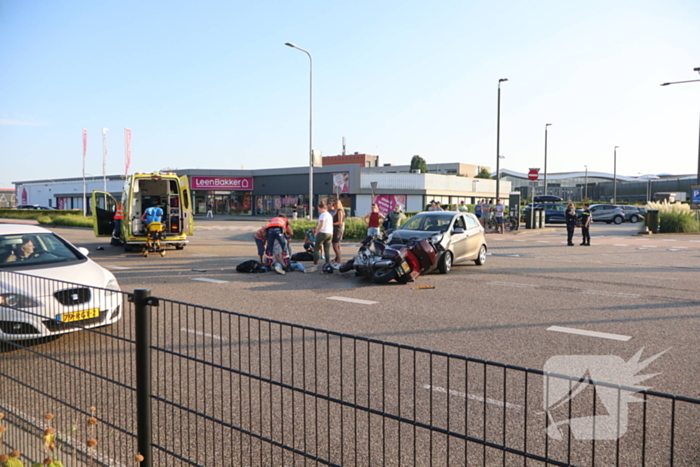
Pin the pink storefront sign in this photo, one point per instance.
(222, 183)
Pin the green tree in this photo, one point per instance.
(418, 163)
(484, 173)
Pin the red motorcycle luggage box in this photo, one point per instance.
(425, 253)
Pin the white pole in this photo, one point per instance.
(84, 185)
(104, 159)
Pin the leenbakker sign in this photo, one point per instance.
(222, 183)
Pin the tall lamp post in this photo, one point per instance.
(585, 186)
(691, 81)
(545, 157)
(615, 175)
(311, 126)
(498, 141)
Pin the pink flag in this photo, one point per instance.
(85, 139)
(127, 149)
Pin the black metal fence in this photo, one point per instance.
(231, 389)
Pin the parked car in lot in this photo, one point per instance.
(80, 294)
(634, 214)
(609, 213)
(547, 198)
(553, 212)
(459, 233)
(34, 206)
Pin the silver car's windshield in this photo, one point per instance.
(35, 249)
(434, 222)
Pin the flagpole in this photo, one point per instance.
(104, 159)
(85, 134)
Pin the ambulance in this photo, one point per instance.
(141, 191)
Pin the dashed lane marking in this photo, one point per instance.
(206, 279)
(473, 397)
(203, 334)
(512, 284)
(352, 300)
(120, 268)
(619, 244)
(584, 332)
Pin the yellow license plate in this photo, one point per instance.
(78, 315)
(405, 266)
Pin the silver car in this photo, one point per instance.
(609, 213)
(460, 234)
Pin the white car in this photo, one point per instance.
(49, 287)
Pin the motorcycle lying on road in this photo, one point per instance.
(405, 262)
(371, 250)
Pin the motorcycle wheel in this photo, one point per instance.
(445, 263)
(383, 276)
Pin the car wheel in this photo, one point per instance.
(383, 276)
(481, 259)
(445, 263)
(618, 220)
(634, 219)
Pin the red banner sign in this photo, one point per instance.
(222, 183)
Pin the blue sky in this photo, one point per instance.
(210, 84)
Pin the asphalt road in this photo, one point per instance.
(534, 300)
(642, 288)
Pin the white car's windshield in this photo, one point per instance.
(434, 222)
(36, 249)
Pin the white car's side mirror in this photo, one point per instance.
(84, 250)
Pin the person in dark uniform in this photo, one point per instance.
(586, 225)
(570, 224)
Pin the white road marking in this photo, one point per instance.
(514, 256)
(498, 239)
(473, 397)
(511, 284)
(518, 240)
(352, 300)
(543, 241)
(121, 268)
(674, 249)
(204, 334)
(204, 256)
(694, 241)
(611, 294)
(619, 244)
(206, 279)
(583, 332)
(668, 239)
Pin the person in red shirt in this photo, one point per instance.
(373, 220)
(276, 229)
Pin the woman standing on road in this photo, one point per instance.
(338, 228)
(323, 232)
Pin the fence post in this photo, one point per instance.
(144, 421)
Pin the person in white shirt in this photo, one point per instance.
(324, 234)
(500, 209)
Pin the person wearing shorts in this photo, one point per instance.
(338, 228)
(260, 241)
(373, 219)
(500, 209)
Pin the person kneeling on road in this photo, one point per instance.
(276, 231)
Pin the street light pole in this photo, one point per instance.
(498, 142)
(691, 81)
(615, 176)
(311, 126)
(545, 157)
(585, 196)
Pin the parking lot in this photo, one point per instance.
(534, 299)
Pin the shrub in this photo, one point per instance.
(675, 218)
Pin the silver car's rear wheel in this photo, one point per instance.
(481, 259)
